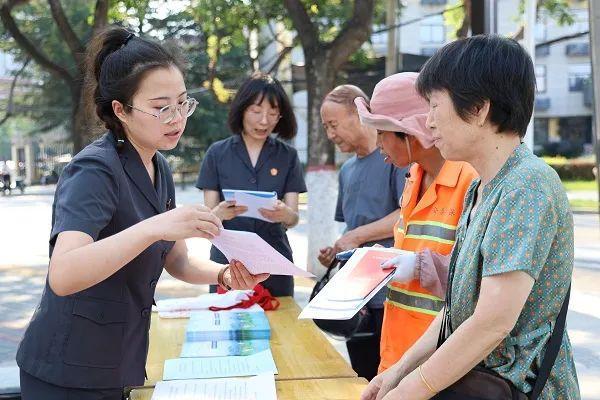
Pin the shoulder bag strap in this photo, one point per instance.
(552, 349)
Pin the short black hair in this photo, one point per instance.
(253, 91)
(117, 62)
(480, 68)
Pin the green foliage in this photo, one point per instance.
(454, 18)
(213, 35)
(46, 99)
(557, 9)
(205, 126)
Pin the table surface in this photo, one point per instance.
(300, 350)
(303, 389)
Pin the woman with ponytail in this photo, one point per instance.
(114, 228)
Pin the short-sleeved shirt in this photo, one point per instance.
(523, 223)
(227, 165)
(369, 190)
(97, 338)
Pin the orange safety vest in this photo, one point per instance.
(430, 223)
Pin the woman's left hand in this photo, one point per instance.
(281, 212)
(238, 277)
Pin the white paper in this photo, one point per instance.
(256, 254)
(181, 307)
(260, 387)
(219, 367)
(335, 301)
(254, 200)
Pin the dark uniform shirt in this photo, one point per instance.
(98, 338)
(227, 165)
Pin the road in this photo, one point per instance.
(24, 258)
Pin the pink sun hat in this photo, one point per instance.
(396, 106)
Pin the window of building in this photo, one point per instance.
(542, 51)
(433, 30)
(578, 74)
(540, 78)
(578, 49)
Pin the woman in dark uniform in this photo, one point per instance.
(114, 228)
(251, 159)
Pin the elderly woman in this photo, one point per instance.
(511, 266)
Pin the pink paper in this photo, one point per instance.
(256, 254)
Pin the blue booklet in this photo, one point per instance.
(252, 199)
(227, 325)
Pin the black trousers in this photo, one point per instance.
(364, 350)
(33, 388)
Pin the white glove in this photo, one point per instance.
(405, 266)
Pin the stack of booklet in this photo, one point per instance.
(232, 325)
(225, 353)
(226, 333)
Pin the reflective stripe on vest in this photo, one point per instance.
(430, 230)
(414, 301)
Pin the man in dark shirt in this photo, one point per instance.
(368, 202)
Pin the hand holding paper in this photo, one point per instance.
(281, 212)
(353, 285)
(238, 277)
(227, 210)
(405, 266)
(252, 200)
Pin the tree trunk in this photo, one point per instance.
(321, 173)
(85, 125)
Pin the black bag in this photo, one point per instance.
(360, 325)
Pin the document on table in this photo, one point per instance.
(256, 254)
(353, 285)
(252, 199)
(182, 307)
(219, 367)
(260, 387)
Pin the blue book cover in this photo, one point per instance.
(227, 325)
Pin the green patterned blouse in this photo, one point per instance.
(523, 222)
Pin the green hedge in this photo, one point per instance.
(575, 170)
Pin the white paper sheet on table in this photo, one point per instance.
(254, 200)
(256, 254)
(260, 387)
(219, 367)
(337, 300)
(181, 307)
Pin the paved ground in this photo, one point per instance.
(25, 224)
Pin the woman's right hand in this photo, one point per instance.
(185, 222)
(227, 210)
